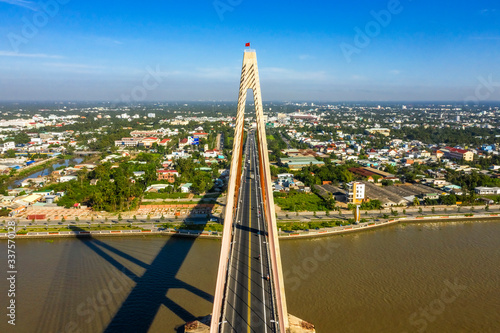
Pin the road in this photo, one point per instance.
(288, 146)
(25, 222)
(247, 304)
(219, 145)
(376, 214)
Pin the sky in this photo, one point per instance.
(192, 50)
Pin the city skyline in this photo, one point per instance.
(361, 51)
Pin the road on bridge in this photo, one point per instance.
(248, 295)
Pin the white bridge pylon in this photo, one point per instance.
(250, 80)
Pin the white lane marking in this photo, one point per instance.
(238, 218)
(259, 220)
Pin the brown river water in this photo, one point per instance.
(432, 277)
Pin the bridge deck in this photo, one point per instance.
(248, 306)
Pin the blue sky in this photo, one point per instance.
(103, 50)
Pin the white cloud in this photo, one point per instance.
(306, 57)
(358, 77)
(22, 3)
(211, 73)
(486, 37)
(218, 73)
(395, 71)
(108, 41)
(487, 11)
(70, 65)
(28, 55)
(278, 73)
(73, 68)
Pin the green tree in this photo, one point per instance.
(21, 138)
(11, 153)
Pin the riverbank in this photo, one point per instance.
(373, 225)
(282, 235)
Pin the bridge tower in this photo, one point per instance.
(250, 80)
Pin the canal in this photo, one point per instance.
(434, 277)
(47, 171)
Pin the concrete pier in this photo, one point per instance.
(297, 325)
(198, 326)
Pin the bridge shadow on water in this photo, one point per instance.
(137, 312)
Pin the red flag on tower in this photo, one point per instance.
(247, 44)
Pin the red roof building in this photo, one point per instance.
(168, 175)
(164, 142)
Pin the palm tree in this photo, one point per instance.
(81, 175)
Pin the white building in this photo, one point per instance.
(8, 146)
(210, 153)
(487, 190)
(65, 179)
(356, 192)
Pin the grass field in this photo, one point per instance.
(199, 227)
(293, 226)
(298, 202)
(75, 228)
(152, 195)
